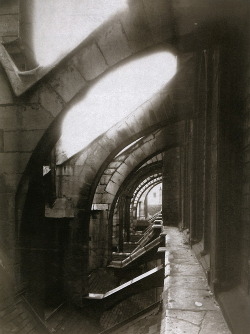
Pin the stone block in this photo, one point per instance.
(97, 198)
(115, 164)
(133, 124)
(30, 139)
(6, 93)
(9, 25)
(62, 208)
(112, 188)
(7, 206)
(135, 25)
(214, 323)
(9, 7)
(66, 170)
(123, 169)
(173, 326)
(147, 149)
(188, 281)
(67, 82)
(149, 116)
(35, 117)
(131, 161)
(185, 299)
(107, 198)
(139, 155)
(113, 43)
(159, 106)
(113, 135)
(9, 182)
(100, 189)
(100, 207)
(13, 162)
(12, 141)
(159, 19)
(157, 12)
(108, 144)
(9, 117)
(1, 140)
(50, 100)
(105, 179)
(96, 155)
(87, 174)
(117, 178)
(90, 62)
(109, 171)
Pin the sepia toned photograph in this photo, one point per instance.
(125, 166)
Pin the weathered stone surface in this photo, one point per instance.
(159, 19)
(9, 117)
(131, 161)
(184, 299)
(67, 82)
(9, 25)
(1, 140)
(90, 62)
(12, 142)
(173, 326)
(50, 100)
(114, 164)
(100, 207)
(117, 178)
(187, 269)
(133, 124)
(114, 44)
(105, 179)
(188, 281)
(135, 25)
(30, 139)
(195, 318)
(214, 323)
(112, 188)
(157, 15)
(23, 141)
(9, 7)
(13, 162)
(107, 198)
(34, 117)
(97, 198)
(62, 208)
(9, 182)
(123, 169)
(101, 189)
(6, 95)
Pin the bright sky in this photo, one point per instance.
(115, 96)
(60, 25)
(154, 196)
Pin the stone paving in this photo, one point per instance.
(188, 306)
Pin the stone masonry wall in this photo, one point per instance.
(245, 276)
(171, 187)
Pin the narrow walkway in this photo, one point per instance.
(188, 305)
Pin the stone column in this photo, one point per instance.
(171, 187)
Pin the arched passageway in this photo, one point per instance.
(61, 217)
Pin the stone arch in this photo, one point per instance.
(58, 91)
(122, 200)
(121, 167)
(140, 195)
(144, 190)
